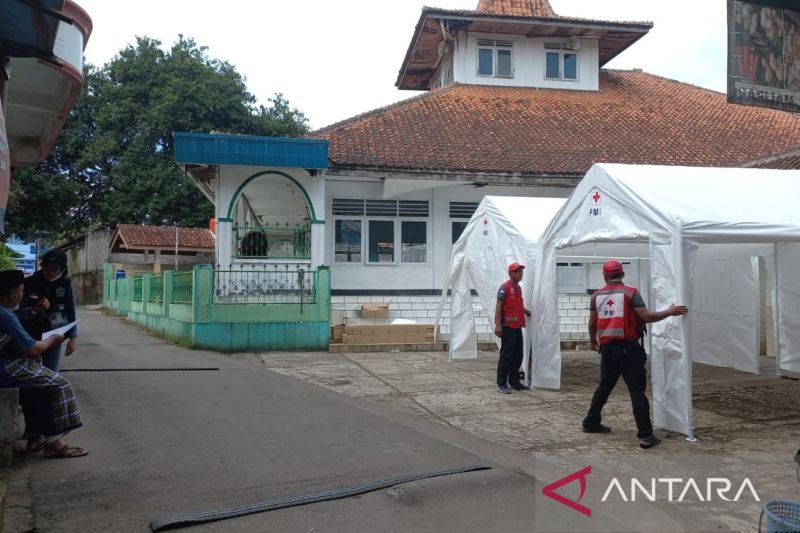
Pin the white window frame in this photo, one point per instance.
(428, 243)
(561, 53)
(395, 258)
(571, 269)
(494, 48)
(333, 240)
(397, 229)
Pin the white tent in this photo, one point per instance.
(709, 232)
(501, 231)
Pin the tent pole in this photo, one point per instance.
(776, 312)
(683, 294)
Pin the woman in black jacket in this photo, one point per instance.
(49, 303)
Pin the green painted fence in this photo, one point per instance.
(272, 307)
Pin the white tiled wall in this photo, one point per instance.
(573, 312)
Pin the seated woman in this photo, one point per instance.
(47, 399)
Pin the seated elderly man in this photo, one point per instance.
(47, 399)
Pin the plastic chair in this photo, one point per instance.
(782, 517)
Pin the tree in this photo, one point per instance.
(114, 160)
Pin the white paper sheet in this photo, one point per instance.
(58, 331)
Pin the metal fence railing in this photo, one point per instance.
(182, 283)
(272, 241)
(137, 290)
(265, 284)
(156, 290)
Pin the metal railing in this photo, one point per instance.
(156, 290)
(137, 290)
(182, 283)
(265, 284)
(272, 241)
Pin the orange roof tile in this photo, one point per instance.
(517, 8)
(635, 118)
(151, 237)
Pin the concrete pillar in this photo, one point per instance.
(168, 276)
(203, 293)
(145, 292)
(317, 244)
(224, 243)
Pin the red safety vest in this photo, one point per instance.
(513, 308)
(616, 319)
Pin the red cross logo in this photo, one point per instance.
(596, 196)
(610, 303)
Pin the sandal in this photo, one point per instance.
(65, 452)
(35, 444)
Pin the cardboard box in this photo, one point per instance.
(337, 332)
(375, 311)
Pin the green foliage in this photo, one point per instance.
(114, 159)
(7, 257)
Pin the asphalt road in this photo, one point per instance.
(171, 441)
(168, 441)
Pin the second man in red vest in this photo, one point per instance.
(509, 319)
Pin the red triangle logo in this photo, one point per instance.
(580, 475)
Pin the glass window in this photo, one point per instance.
(414, 242)
(485, 62)
(347, 241)
(457, 229)
(504, 63)
(570, 66)
(381, 241)
(553, 66)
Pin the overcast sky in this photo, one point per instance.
(334, 59)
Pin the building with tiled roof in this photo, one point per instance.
(516, 103)
(516, 134)
(136, 237)
(134, 248)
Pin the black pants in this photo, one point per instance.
(510, 357)
(626, 359)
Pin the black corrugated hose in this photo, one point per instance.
(178, 520)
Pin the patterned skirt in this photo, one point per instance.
(46, 397)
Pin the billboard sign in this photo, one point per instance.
(764, 54)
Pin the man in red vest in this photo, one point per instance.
(509, 319)
(617, 315)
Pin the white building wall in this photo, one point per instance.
(411, 276)
(427, 277)
(528, 59)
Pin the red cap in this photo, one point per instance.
(513, 267)
(612, 267)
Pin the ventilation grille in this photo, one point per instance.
(555, 46)
(413, 208)
(494, 42)
(380, 208)
(346, 206)
(463, 209)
